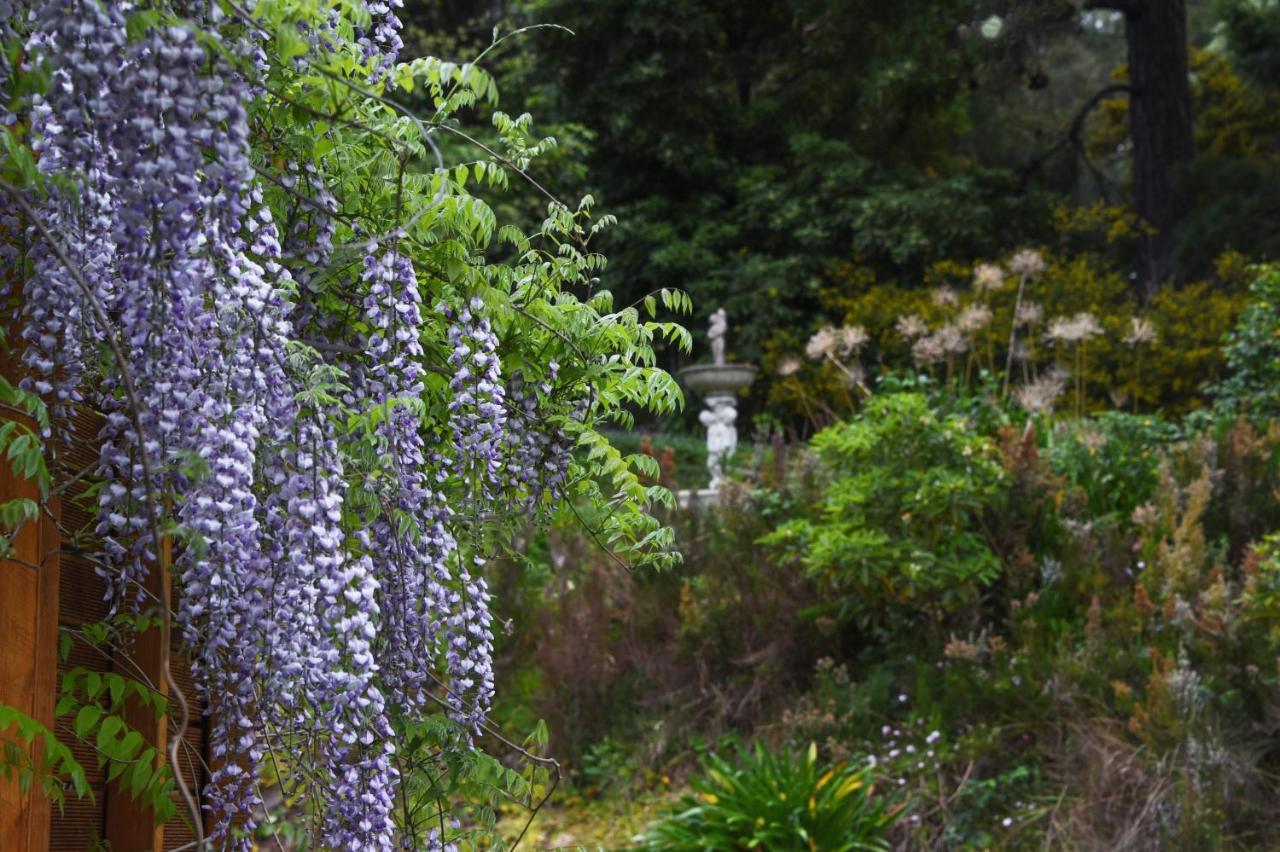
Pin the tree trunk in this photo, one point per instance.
(1160, 126)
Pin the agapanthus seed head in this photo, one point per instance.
(974, 318)
(1142, 332)
(788, 365)
(1038, 397)
(1027, 262)
(927, 351)
(911, 326)
(944, 296)
(1075, 329)
(987, 278)
(1028, 314)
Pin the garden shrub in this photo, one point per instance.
(1252, 351)
(900, 525)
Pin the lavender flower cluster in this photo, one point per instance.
(305, 617)
(478, 411)
(423, 606)
(537, 452)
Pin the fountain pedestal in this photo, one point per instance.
(718, 384)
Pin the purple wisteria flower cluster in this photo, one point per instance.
(312, 618)
(478, 415)
(537, 452)
(382, 42)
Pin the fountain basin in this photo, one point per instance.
(711, 379)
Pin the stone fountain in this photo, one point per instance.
(718, 383)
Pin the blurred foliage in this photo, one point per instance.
(809, 163)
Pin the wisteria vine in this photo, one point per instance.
(326, 579)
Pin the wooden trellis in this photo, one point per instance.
(49, 587)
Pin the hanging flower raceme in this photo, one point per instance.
(72, 126)
(426, 602)
(382, 42)
(477, 413)
(537, 452)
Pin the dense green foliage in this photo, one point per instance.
(900, 526)
(1253, 353)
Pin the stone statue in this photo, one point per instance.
(722, 438)
(719, 325)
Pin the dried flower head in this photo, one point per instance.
(987, 278)
(951, 339)
(911, 326)
(822, 344)
(1142, 332)
(1076, 329)
(944, 296)
(851, 338)
(1027, 262)
(1028, 314)
(974, 318)
(830, 341)
(789, 366)
(960, 649)
(854, 376)
(1039, 396)
(927, 351)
